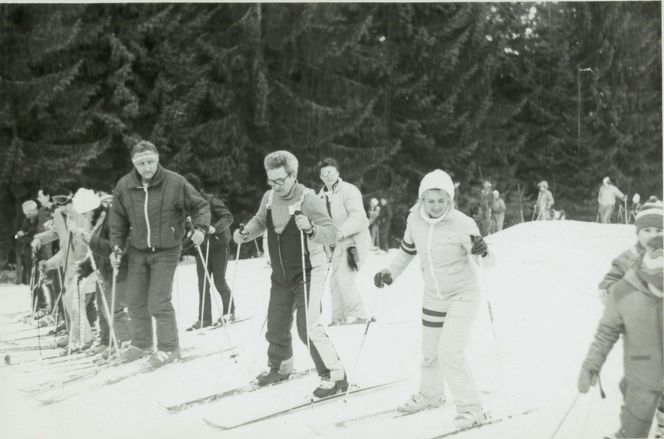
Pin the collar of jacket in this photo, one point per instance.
(334, 188)
(639, 284)
(291, 194)
(156, 179)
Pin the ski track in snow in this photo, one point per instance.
(545, 307)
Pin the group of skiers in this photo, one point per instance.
(124, 248)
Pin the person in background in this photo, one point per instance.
(606, 198)
(218, 241)
(374, 228)
(23, 237)
(384, 224)
(344, 204)
(636, 206)
(447, 242)
(486, 200)
(497, 213)
(150, 205)
(544, 202)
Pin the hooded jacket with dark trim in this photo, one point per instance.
(635, 312)
(153, 216)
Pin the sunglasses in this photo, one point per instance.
(61, 200)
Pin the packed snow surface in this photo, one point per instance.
(542, 292)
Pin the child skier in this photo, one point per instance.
(444, 239)
(648, 222)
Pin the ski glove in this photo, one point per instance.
(382, 278)
(587, 378)
(479, 246)
(352, 257)
(240, 236)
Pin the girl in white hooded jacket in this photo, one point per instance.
(445, 240)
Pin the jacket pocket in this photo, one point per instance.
(640, 357)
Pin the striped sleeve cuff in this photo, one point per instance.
(408, 247)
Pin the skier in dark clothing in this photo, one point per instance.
(288, 212)
(148, 213)
(385, 221)
(217, 258)
(23, 237)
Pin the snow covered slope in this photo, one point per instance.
(542, 291)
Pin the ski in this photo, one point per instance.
(219, 325)
(29, 348)
(297, 407)
(248, 388)
(489, 421)
(390, 413)
(119, 373)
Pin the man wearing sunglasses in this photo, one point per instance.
(345, 206)
(290, 211)
(147, 220)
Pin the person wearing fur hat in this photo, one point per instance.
(634, 309)
(544, 202)
(448, 242)
(607, 199)
(497, 212)
(348, 254)
(374, 214)
(648, 226)
(95, 207)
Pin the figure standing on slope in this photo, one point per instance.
(497, 212)
(544, 202)
(344, 204)
(148, 214)
(607, 199)
(446, 240)
(648, 226)
(289, 212)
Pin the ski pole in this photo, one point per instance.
(205, 267)
(478, 267)
(109, 317)
(371, 319)
(237, 263)
(304, 284)
(111, 323)
(207, 275)
(626, 217)
(562, 421)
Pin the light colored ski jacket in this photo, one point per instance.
(345, 206)
(608, 194)
(635, 312)
(443, 245)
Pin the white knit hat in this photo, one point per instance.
(543, 184)
(85, 200)
(437, 179)
(606, 180)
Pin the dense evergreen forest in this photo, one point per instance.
(509, 92)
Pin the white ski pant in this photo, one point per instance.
(346, 298)
(74, 303)
(444, 352)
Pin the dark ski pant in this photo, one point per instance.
(120, 316)
(149, 285)
(286, 298)
(217, 262)
(637, 411)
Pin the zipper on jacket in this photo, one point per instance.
(145, 211)
(281, 259)
(430, 258)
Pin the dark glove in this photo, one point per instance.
(352, 257)
(587, 379)
(84, 269)
(382, 278)
(479, 246)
